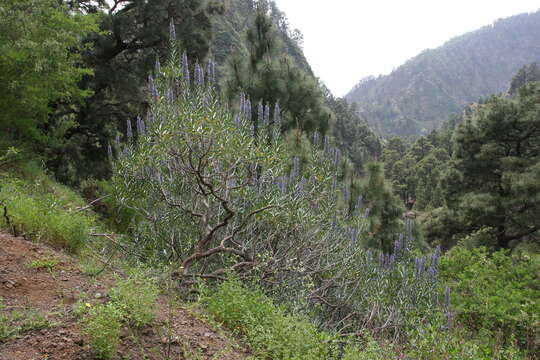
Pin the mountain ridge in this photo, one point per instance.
(426, 89)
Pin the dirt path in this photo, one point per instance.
(40, 301)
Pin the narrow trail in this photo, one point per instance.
(176, 333)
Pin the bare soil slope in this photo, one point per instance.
(176, 333)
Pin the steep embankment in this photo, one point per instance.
(39, 289)
(424, 91)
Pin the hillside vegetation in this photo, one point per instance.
(422, 93)
(177, 184)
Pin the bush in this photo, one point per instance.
(136, 297)
(496, 295)
(370, 351)
(270, 333)
(435, 342)
(102, 325)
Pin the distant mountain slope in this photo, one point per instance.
(424, 91)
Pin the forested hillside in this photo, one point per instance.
(420, 94)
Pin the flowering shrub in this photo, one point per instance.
(218, 191)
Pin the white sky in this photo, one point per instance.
(347, 40)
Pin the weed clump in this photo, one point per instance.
(133, 301)
(47, 262)
(136, 297)
(102, 325)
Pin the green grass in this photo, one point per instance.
(43, 210)
(18, 322)
(270, 332)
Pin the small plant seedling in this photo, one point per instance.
(17, 322)
(47, 262)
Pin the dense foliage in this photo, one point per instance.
(495, 295)
(40, 65)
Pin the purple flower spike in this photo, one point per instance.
(300, 187)
(199, 75)
(359, 205)
(172, 31)
(449, 319)
(366, 213)
(282, 184)
(295, 171)
(337, 157)
(248, 110)
(169, 96)
(369, 255)
(141, 127)
(129, 130)
(420, 263)
(326, 144)
(242, 103)
(185, 68)
(211, 71)
(260, 112)
(266, 119)
(346, 194)
(237, 121)
(398, 245)
(152, 87)
(158, 66)
(117, 140)
(316, 138)
(109, 151)
(277, 116)
(231, 183)
(354, 235)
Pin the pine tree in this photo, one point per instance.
(492, 185)
(265, 76)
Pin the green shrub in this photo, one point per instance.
(370, 351)
(435, 342)
(495, 295)
(45, 211)
(270, 333)
(102, 325)
(136, 297)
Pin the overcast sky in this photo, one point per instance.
(347, 40)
